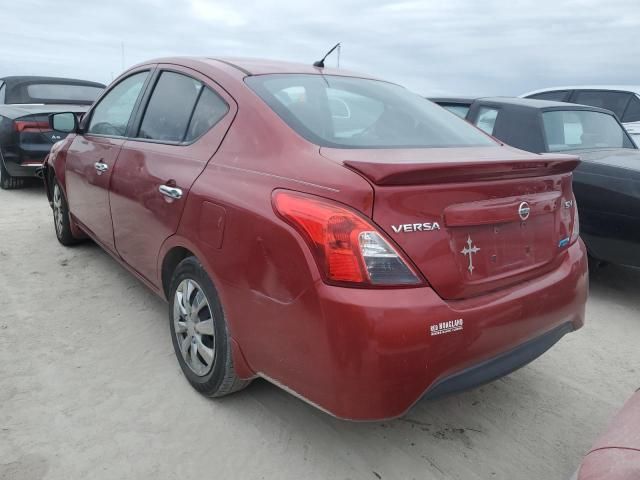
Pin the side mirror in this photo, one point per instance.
(66, 122)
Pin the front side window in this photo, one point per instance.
(614, 101)
(582, 129)
(111, 115)
(487, 119)
(348, 112)
(2, 90)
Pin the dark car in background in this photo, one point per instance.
(623, 100)
(606, 183)
(25, 105)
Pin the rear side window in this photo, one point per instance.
(578, 129)
(556, 96)
(169, 110)
(2, 90)
(111, 115)
(486, 120)
(632, 114)
(614, 101)
(349, 112)
(209, 111)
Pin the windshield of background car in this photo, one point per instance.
(348, 112)
(582, 129)
(52, 92)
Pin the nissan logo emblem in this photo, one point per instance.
(524, 210)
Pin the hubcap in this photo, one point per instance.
(193, 326)
(57, 209)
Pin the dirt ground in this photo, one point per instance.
(90, 388)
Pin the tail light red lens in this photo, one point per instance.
(348, 248)
(21, 126)
(575, 232)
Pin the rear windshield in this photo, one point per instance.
(348, 112)
(52, 92)
(576, 129)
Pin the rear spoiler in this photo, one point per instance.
(382, 173)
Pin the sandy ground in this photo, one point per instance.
(90, 388)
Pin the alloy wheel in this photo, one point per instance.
(58, 211)
(193, 326)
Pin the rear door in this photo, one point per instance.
(184, 118)
(92, 156)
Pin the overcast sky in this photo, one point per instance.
(435, 47)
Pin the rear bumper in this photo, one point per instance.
(378, 353)
(500, 365)
(25, 169)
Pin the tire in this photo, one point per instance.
(7, 182)
(207, 360)
(61, 219)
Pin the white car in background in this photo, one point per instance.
(623, 100)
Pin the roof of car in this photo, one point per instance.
(463, 100)
(18, 79)
(622, 88)
(520, 102)
(261, 66)
(540, 104)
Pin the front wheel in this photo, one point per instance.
(61, 219)
(199, 332)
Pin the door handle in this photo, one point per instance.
(171, 192)
(101, 167)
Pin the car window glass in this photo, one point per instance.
(614, 101)
(577, 129)
(459, 110)
(52, 92)
(209, 110)
(170, 107)
(632, 114)
(111, 115)
(556, 95)
(486, 120)
(2, 90)
(347, 112)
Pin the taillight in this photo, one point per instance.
(347, 247)
(575, 231)
(21, 126)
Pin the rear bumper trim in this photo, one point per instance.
(500, 365)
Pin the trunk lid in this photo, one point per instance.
(472, 220)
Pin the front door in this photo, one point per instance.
(184, 122)
(93, 154)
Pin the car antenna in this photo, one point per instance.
(320, 63)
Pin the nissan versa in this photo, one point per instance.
(347, 240)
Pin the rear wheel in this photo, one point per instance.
(61, 219)
(7, 182)
(199, 332)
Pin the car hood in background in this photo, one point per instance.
(616, 454)
(628, 158)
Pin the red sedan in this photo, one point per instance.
(335, 234)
